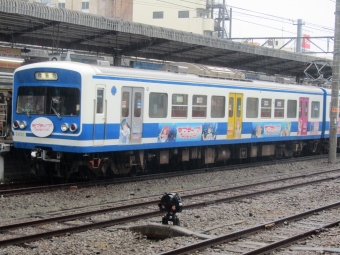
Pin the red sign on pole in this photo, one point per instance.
(306, 42)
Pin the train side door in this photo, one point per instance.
(131, 119)
(99, 132)
(303, 116)
(235, 110)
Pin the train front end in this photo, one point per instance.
(46, 119)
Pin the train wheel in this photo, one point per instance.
(133, 171)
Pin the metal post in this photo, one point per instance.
(223, 20)
(333, 129)
(230, 20)
(299, 34)
(2, 168)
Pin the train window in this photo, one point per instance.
(137, 105)
(266, 108)
(217, 107)
(300, 109)
(252, 107)
(158, 105)
(100, 100)
(279, 108)
(125, 104)
(291, 108)
(239, 107)
(199, 106)
(179, 106)
(306, 109)
(60, 101)
(231, 107)
(315, 109)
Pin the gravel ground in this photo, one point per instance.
(231, 216)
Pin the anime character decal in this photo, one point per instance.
(124, 133)
(268, 129)
(209, 131)
(238, 130)
(167, 133)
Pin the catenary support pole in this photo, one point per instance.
(333, 127)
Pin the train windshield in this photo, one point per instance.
(59, 101)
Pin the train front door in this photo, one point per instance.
(131, 118)
(303, 116)
(235, 109)
(99, 132)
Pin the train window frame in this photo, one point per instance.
(279, 109)
(315, 114)
(158, 105)
(179, 106)
(291, 109)
(251, 111)
(217, 107)
(266, 107)
(199, 106)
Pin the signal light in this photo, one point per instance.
(64, 127)
(73, 127)
(16, 124)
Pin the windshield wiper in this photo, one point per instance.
(56, 113)
(27, 112)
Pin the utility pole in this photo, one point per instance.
(333, 127)
(299, 34)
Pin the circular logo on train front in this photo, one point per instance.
(42, 127)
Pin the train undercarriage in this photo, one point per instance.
(66, 166)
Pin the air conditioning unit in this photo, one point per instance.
(54, 57)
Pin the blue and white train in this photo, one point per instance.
(111, 119)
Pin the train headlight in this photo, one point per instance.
(73, 127)
(64, 127)
(15, 124)
(22, 124)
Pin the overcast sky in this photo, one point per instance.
(318, 15)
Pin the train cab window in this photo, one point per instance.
(137, 105)
(252, 107)
(199, 106)
(179, 106)
(158, 105)
(100, 100)
(291, 108)
(315, 111)
(300, 109)
(279, 108)
(217, 107)
(125, 104)
(60, 101)
(266, 108)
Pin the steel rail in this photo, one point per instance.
(9, 192)
(122, 219)
(245, 232)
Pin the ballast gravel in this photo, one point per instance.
(221, 218)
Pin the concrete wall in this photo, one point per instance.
(143, 13)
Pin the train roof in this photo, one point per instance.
(144, 74)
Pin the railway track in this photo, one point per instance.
(19, 188)
(238, 242)
(237, 193)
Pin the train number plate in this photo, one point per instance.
(19, 134)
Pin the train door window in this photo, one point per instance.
(266, 108)
(252, 107)
(158, 105)
(239, 107)
(217, 107)
(179, 106)
(137, 104)
(291, 108)
(305, 109)
(199, 106)
(100, 100)
(231, 107)
(279, 108)
(125, 104)
(315, 110)
(300, 109)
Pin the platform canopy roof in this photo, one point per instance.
(23, 23)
